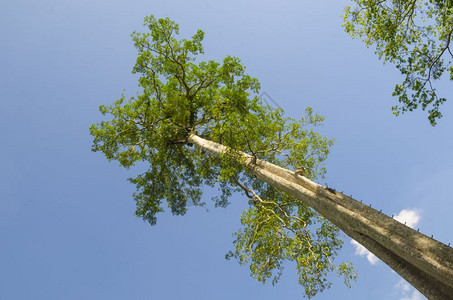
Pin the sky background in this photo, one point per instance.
(67, 229)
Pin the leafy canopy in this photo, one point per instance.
(180, 95)
(415, 35)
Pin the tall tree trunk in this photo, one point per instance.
(425, 263)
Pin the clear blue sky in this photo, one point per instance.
(67, 229)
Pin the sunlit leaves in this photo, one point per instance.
(277, 232)
(414, 35)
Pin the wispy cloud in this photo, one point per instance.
(405, 292)
(362, 251)
(410, 217)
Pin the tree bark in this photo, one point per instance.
(424, 262)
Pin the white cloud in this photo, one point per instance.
(362, 251)
(406, 292)
(409, 216)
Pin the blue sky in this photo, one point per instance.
(67, 229)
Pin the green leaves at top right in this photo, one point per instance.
(413, 35)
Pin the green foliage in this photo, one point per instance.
(217, 101)
(277, 231)
(414, 35)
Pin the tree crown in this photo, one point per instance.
(180, 96)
